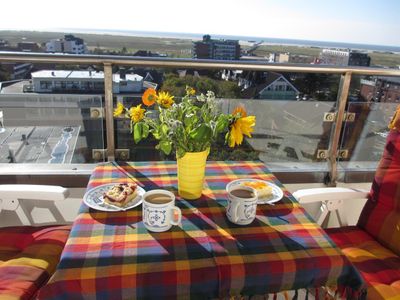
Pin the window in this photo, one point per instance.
(99, 85)
(46, 85)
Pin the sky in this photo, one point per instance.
(351, 21)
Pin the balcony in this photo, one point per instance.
(311, 142)
(329, 139)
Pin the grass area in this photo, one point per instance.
(377, 58)
(267, 49)
(385, 59)
(173, 47)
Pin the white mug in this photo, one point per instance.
(159, 210)
(242, 207)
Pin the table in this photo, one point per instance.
(113, 256)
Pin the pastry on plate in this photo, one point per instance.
(120, 194)
(262, 188)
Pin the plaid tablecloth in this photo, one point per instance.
(111, 255)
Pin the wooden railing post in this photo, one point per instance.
(108, 86)
(343, 93)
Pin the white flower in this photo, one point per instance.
(210, 95)
(201, 98)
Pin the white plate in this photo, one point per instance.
(276, 195)
(94, 198)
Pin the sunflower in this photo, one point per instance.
(136, 113)
(240, 110)
(395, 122)
(190, 91)
(242, 126)
(165, 99)
(149, 97)
(119, 110)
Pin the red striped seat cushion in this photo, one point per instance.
(28, 257)
(381, 214)
(379, 266)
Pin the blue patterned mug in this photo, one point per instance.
(242, 204)
(159, 210)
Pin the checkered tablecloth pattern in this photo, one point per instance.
(111, 255)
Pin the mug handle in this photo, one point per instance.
(235, 211)
(177, 209)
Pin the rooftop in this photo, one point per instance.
(68, 74)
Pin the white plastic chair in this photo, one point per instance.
(331, 199)
(12, 198)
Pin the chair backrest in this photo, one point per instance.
(380, 216)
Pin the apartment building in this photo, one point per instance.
(380, 89)
(216, 49)
(344, 58)
(67, 81)
(69, 44)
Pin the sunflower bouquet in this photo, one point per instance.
(191, 125)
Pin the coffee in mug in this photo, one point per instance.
(158, 199)
(159, 210)
(242, 193)
(242, 204)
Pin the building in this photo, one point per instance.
(359, 59)
(381, 89)
(216, 49)
(275, 87)
(344, 58)
(283, 58)
(17, 70)
(67, 81)
(334, 57)
(69, 44)
(28, 47)
(145, 53)
(3, 43)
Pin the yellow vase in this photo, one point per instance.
(191, 172)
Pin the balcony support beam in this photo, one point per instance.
(343, 94)
(109, 108)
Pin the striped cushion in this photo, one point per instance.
(381, 214)
(379, 266)
(28, 256)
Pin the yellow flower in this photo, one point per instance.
(149, 97)
(119, 110)
(240, 110)
(395, 122)
(137, 113)
(242, 126)
(165, 99)
(190, 91)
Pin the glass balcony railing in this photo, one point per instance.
(51, 129)
(327, 122)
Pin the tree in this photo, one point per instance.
(222, 89)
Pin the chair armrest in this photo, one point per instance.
(33, 192)
(331, 200)
(329, 194)
(11, 194)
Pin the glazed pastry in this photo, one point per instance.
(120, 194)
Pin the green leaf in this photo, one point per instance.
(180, 152)
(137, 132)
(156, 133)
(201, 133)
(145, 131)
(164, 129)
(166, 146)
(222, 123)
